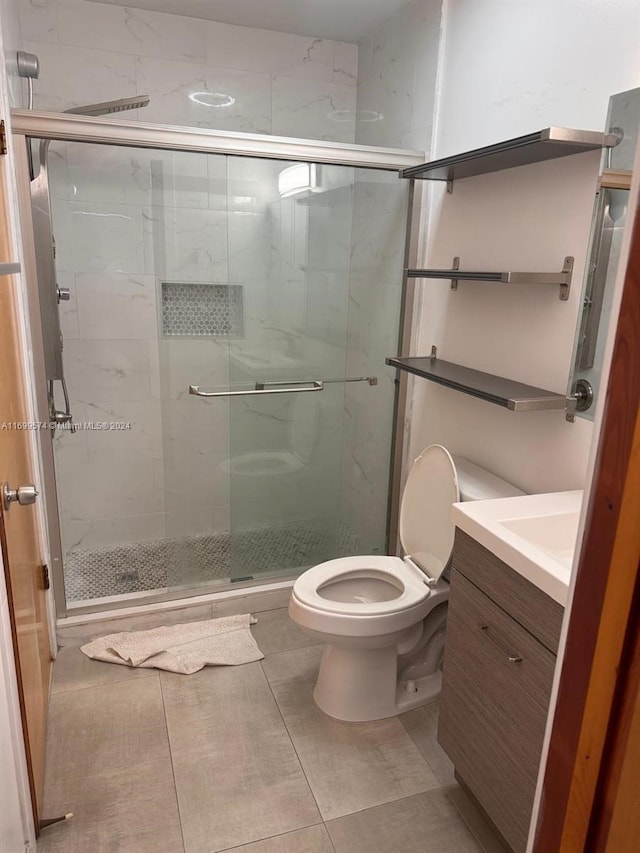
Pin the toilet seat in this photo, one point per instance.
(426, 533)
(308, 588)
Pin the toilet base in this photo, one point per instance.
(360, 685)
(420, 692)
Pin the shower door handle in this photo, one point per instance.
(372, 380)
(315, 385)
(55, 415)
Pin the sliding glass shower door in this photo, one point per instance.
(320, 263)
(230, 317)
(293, 257)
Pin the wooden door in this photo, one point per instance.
(18, 533)
(615, 821)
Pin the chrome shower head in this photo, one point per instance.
(104, 109)
(109, 107)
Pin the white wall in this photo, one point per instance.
(513, 67)
(283, 84)
(508, 69)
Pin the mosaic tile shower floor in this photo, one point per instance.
(198, 560)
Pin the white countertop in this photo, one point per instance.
(534, 534)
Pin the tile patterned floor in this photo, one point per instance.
(205, 559)
(239, 759)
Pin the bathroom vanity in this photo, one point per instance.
(503, 632)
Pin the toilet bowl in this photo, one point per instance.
(382, 618)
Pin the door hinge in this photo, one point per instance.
(45, 577)
(3, 138)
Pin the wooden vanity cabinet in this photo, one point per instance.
(500, 655)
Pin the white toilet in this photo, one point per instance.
(383, 618)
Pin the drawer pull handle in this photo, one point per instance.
(511, 658)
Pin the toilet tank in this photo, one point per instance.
(477, 484)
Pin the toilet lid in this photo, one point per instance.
(426, 528)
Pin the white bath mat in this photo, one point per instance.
(181, 648)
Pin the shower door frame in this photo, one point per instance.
(66, 127)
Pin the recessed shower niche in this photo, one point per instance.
(192, 309)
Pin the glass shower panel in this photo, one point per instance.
(229, 274)
(293, 256)
(322, 293)
(109, 471)
(141, 239)
(380, 209)
(189, 234)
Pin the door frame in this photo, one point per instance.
(17, 815)
(20, 815)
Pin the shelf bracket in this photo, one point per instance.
(561, 279)
(580, 399)
(450, 185)
(565, 286)
(455, 266)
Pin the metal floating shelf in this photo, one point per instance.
(562, 278)
(547, 144)
(494, 389)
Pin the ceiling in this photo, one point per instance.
(342, 20)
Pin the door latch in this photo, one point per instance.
(24, 495)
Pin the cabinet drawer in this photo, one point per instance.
(540, 614)
(493, 708)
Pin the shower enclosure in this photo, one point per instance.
(224, 337)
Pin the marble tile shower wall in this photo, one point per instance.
(257, 81)
(397, 68)
(124, 220)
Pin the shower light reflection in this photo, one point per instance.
(212, 99)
